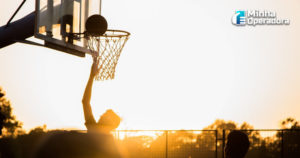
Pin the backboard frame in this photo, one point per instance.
(59, 44)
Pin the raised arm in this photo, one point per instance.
(88, 115)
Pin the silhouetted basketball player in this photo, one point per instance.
(108, 121)
(96, 143)
(237, 145)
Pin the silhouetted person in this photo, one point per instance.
(237, 145)
(96, 143)
(108, 121)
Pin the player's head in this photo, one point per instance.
(110, 120)
(237, 145)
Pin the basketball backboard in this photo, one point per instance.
(57, 21)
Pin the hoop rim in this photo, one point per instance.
(122, 33)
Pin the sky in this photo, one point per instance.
(184, 66)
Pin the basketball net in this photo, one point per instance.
(106, 50)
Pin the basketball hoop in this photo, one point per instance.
(106, 50)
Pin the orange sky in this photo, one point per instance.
(184, 66)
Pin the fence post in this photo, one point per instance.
(282, 146)
(167, 144)
(223, 144)
(118, 133)
(216, 132)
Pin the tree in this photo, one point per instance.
(221, 125)
(290, 137)
(38, 130)
(290, 123)
(8, 123)
(2, 117)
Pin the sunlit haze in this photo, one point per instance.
(184, 66)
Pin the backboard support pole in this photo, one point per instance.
(15, 13)
(17, 30)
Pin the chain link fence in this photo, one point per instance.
(206, 143)
(168, 144)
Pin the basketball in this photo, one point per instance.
(96, 25)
